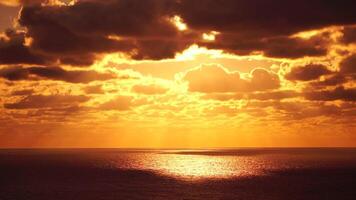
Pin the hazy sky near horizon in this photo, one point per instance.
(177, 73)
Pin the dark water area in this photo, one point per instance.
(92, 174)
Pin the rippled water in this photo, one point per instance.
(178, 174)
(200, 164)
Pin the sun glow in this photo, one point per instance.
(193, 51)
(192, 167)
(10, 2)
(178, 22)
(210, 36)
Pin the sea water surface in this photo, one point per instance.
(246, 173)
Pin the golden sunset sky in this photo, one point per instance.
(177, 73)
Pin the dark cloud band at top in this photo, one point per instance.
(144, 30)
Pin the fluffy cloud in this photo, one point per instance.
(60, 31)
(215, 78)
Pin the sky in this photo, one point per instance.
(177, 73)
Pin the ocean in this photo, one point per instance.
(170, 174)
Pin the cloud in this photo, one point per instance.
(139, 29)
(287, 47)
(262, 79)
(13, 50)
(120, 103)
(14, 73)
(258, 19)
(144, 30)
(339, 93)
(274, 95)
(53, 73)
(149, 89)
(16, 3)
(348, 65)
(224, 96)
(215, 78)
(345, 74)
(302, 110)
(279, 47)
(313, 72)
(243, 31)
(308, 72)
(42, 101)
(349, 35)
(22, 92)
(95, 89)
(336, 79)
(9, 2)
(262, 96)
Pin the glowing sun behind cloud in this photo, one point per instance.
(176, 74)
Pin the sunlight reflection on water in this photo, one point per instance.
(224, 164)
(192, 166)
(198, 166)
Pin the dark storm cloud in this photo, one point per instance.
(279, 47)
(286, 47)
(75, 34)
(256, 18)
(53, 73)
(51, 36)
(41, 101)
(143, 26)
(307, 73)
(13, 50)
(253, 25)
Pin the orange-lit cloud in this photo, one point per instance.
(161, 73)
(214, 78)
